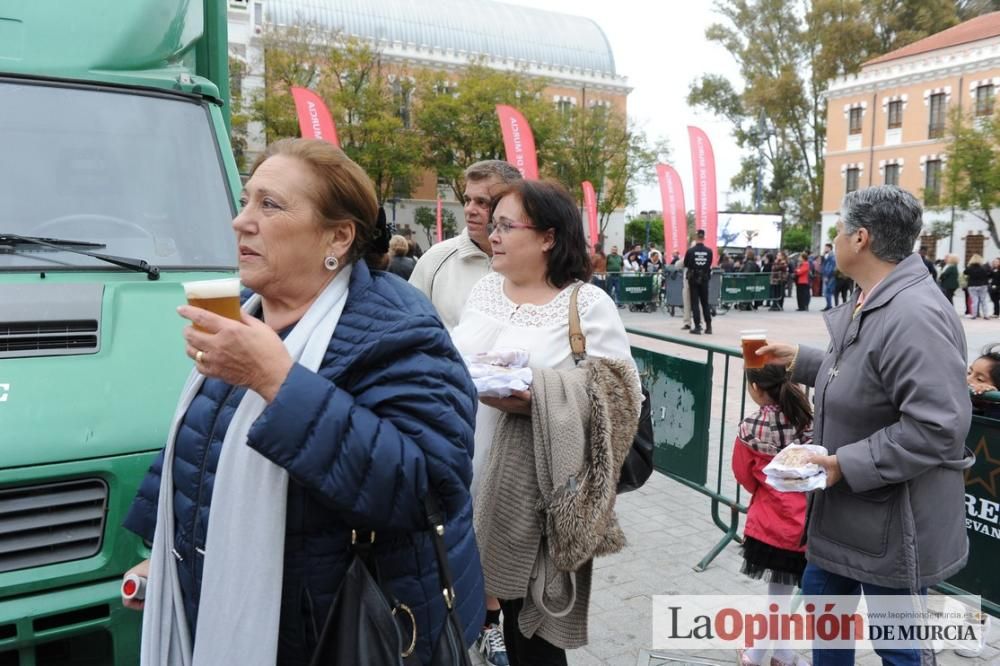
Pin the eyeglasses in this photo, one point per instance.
(503, 227)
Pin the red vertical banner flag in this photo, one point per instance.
(706, 205)
(590, 203)
(674, 213)
(315, 121)
(440, 227)
(518, 141)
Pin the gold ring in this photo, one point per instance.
(199, 357)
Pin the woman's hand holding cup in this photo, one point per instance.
(242, 353)
(778, 353)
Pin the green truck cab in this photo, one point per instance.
(113, 142)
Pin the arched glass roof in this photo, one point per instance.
(474, 26)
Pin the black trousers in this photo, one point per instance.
(699, 295)
(523, 651)
(778, 296)
(802, 293)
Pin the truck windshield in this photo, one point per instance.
(139, 173)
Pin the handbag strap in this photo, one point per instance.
(435, 516)
(577, 340)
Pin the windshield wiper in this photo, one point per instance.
(12, 240)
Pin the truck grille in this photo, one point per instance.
(28, 336)
(51, 523)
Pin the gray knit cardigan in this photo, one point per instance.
(546, 504)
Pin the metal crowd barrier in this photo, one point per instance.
(681, 392)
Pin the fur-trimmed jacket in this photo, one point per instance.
(546, 505)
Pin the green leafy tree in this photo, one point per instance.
(797, 238)
(292, 57)
(972, 172)
(599, 145)
(972, 8)
(635, 230)
(239, 115)
(456, 111)
(787, 56)
(371, 103)
(426, 218)
(368, 101)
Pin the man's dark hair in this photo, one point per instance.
(548, 205)
(700, 233)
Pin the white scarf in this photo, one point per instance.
(244, 551)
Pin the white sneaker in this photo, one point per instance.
(490, 644)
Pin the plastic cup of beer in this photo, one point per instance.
(219, 296)
(751, 341)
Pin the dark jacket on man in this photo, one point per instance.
(698, 261)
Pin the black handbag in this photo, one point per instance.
(365, 619)
(450, 649)
(638, 465)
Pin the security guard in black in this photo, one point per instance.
(698, 262)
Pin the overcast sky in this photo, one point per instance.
(660, 46)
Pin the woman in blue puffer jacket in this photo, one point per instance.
(337, 403)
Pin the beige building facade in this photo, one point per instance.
(888, 124)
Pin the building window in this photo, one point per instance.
(896, 114)
(854, 125)
(935, 129)
(984, 100)
(973, 245)
(853, 175)
(928, 243)
(892, 174)
(564, 105)
(932, 181)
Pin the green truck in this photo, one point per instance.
(118, 183)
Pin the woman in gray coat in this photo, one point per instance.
(893, 410)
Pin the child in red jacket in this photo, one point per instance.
(772, 538)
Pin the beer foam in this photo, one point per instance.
(203, 289)
(753, 335)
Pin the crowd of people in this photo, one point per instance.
(803, 274)
(331, 443)
(331, 446)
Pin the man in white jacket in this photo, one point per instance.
(447, 272)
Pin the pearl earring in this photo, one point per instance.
(331, 263)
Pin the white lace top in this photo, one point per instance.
(491, 321)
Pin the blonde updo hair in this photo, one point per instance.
(398, 246)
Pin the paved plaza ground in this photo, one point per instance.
(669, 526)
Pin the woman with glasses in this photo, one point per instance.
(540, 260)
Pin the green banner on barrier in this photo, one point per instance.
(744, 287)
(637, 288)
(982, 512)
(681, 395)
